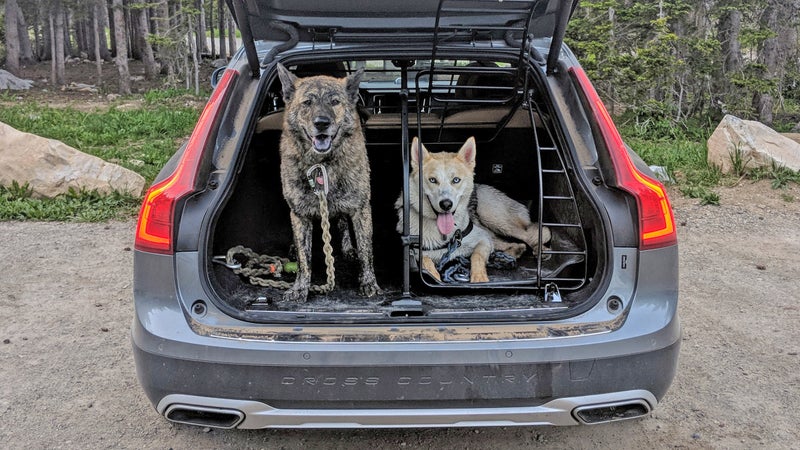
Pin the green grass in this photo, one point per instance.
(683, 152)
(685, 158)
(16, 203)
(685, 161)
(141, 139)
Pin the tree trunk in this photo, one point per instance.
(47, 34)
(194, 50)
(80, 37)
(66, 25)
(232, 35)
(103, 24)
(730, 28)
(59, 45)
(51, 22)
(150, 66)
(12, 37)
(37, 38)
(112, 28)
(211, 29)
(221, 14)
(122, 48)
(162, 18)
(132, 25)
(98, 60)
(201, 26)
(763, 102)
(25, 50)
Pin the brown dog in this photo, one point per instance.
(321, 126)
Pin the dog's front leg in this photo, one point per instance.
(429, 266)
(348, 249)
(478, 263)
(362, 227)
(301, 228)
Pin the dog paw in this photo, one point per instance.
(516, 250)
(478, 277)
(429, 267)
(296, 295)
(370, 289)
(350, 253)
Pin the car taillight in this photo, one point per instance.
(155, 230)
(656, 221)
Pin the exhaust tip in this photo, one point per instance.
(204, 417)
(611, 412)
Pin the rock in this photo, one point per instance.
(662, 174)
(9, 81)
(757, 144)
(80, 87)
(793, 136)
(51, 167)
(217, 63)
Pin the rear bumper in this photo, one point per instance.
(256, 382)
(330, 394)
(248, 414)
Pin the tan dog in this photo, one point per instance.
(451, 203)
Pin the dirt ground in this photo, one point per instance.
(69, 379)
(85, 91)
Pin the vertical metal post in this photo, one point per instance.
(406, 187)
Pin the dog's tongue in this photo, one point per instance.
(446, 223)
(322, 142)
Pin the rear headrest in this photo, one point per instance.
(333, 69)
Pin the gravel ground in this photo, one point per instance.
(69, 380)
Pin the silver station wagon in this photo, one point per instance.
(582, 330)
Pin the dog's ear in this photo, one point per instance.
(352, 83)
(287, 82)
(467, 152)
(417, 151)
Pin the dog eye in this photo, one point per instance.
(335, 101)
(433, 180)
(456, 180)
(307, 102)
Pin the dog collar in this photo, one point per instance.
(458, 235)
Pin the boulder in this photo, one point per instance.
(9, 81)
(51, 167)
(217, 63)
(793, 136)
(757, 145)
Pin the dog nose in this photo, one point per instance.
(446, 204)
(322, 122)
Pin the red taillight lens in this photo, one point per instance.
(656, 221)
(155, 229)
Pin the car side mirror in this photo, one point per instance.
(216, 75)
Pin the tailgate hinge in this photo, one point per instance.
(328, 35)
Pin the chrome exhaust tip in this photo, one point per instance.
(611, 412)
(204, 416)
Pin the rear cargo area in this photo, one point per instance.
(515, 154)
